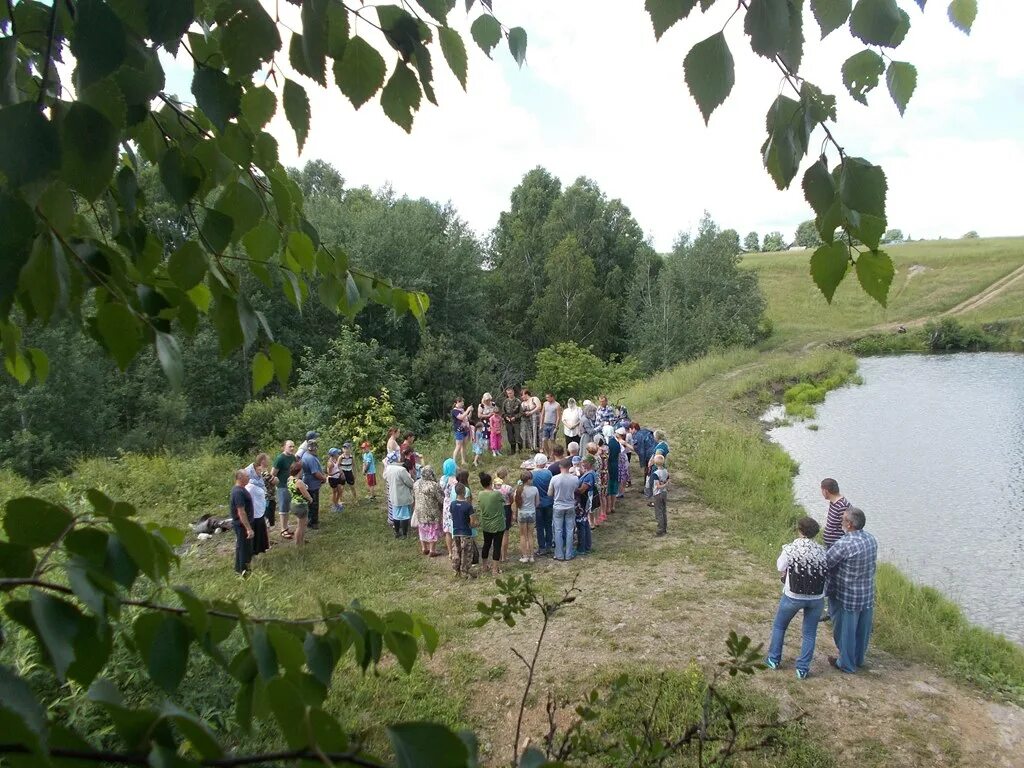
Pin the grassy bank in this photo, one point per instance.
(748, 480)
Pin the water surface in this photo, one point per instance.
(932, 449)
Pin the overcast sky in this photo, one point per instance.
(598, 97)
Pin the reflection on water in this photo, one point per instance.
(932, 449)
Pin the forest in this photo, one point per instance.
(566, 278)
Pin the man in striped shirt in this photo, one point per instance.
(837, 505)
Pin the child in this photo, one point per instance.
(492, 521)
(334, 478)
(660, 480)
(369, 470)
(507, 496)
(348, 475)
(495, 427)
(527, 497)
(584, 506)
(479, 442)
(463, 520)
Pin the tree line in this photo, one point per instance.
(566, 270)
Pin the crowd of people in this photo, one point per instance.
(841, 570)
(576, 463)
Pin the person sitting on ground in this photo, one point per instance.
(527, 499)
(851, 577)
(837, 505)
(804, 570)
(300, 501)
(659, 487)
(463, 542)
(240, 505)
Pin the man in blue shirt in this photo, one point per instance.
(545, 507)
(851, 572)
(313, 477)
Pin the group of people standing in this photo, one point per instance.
(841, 570)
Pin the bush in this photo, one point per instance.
(265, 424)
(950, 335)
(568, 370)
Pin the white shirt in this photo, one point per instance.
(259, 498)
(801, 549)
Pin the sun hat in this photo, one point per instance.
(347, 444)
(540, 460)
(334, 452)
(621, 431)
(586, 403)
(608, 430)
(311, 435)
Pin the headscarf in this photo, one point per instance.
(449, 468)
(427, 473)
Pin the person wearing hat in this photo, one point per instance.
(545, 507)
(334, 478)
(313, 477)
(304, 445)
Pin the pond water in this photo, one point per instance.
(932, 449)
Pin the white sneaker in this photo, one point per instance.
(524, 559)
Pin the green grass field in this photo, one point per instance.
(931, 277)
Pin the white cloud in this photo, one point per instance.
(600, 98)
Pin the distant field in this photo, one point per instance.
(931, 277)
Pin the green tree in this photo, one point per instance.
(807, 235)
(752, 242)
(571, 308)
(568, 370)
(972, 235)
(774, 241)
(893, 236)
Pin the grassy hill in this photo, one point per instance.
(931, 278)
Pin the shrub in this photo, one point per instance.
(950, 335)
(265, 424)
(569, 370)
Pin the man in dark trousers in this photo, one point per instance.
(313, 476)
(240, 505)
(511, 413)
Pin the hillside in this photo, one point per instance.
(932, 278)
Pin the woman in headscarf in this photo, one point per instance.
(428, 503)
(572, 417)
(487, 407)
(588, 423)
(447, 484)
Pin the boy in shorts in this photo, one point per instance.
(369, 469)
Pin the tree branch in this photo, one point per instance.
(48, 63)
(132, 758)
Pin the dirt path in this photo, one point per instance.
(668, 602)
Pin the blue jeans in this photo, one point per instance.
(583, 540)
(788, 608)
(284, 501)
(851, 630)
(564, 521)
(545, 534)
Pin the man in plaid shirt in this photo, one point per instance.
(851, 569)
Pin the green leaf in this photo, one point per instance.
(710, 73)
(168, 20)
(217, 228)
(263, 241)
(243, 206)
(18, 368)
(861, 73)
(289, 711)
(168, 655)
(792, 55)
(17, 231)
(8, 70)
(301, 248)
(438, 9)
(120, 331)
(454, 51)
(829, 264)
(786, 143)
(486, 31)
(360, 72)
(404, 648)
(98, 42)
(281, 356)
(401, 96)
(32, 522)
(46, 276)
(58, 623)
(337, 30)
(819, 187)
(862, 186)
(258, 106)
(180, 175)
(314, 41)
(901, 78)
(262, 372)
(38, 155)
(40, 363)
(22, 717)
(426, 745)
(665, 13)
(219, 98)
(16, 561)
(296, 109)
(517, 44)
(169, 354)
(187, 266)
(962, 14)
(248, 40)
(320, 657)
(139, 544)
(879, 22)
(767, 23)
(875, 273)
(831, 14)
(195, 730)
